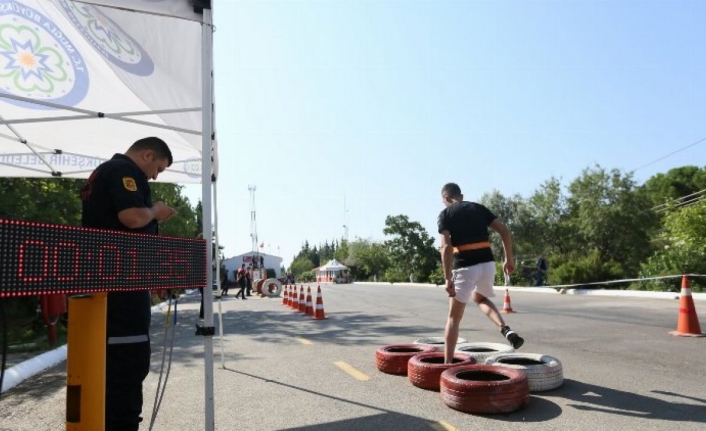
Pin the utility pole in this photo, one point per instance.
(345, 220)
(253, 223)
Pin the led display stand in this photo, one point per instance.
(41, 259)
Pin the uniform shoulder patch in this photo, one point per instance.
(130, 184)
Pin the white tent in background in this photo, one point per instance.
(332, 272)
(82, 80)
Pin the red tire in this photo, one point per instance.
(258, 286)
(393, 359)
(424, 370)
(484, 389)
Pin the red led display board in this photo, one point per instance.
(39, 258)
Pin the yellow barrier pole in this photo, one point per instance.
(85, 374)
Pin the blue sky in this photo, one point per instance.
(382, 102)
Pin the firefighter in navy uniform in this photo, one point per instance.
(117, 197)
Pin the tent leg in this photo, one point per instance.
(207, 204)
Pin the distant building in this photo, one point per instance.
(268, 261)
(332, 272)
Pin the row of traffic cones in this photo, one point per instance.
(687, 323)
(302, 305)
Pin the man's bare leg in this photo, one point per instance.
(488, 308)
(453, 322)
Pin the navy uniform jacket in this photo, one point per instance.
(116, 185)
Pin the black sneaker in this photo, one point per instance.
(512, 337)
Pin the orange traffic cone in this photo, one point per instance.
(507, 307)
(309, 306)
(302, 301)
(285, 298)
(319, 312)
(294, 303)
(688, 322)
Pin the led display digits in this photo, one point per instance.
(38, 258)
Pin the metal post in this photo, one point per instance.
(206, 144)
(85, 369)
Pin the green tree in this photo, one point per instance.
(342, 252)
(515, 213)
(411, 249)
(552, 232)
(676, 183)
(609, 215)
(301, 265)
(186, 222)
(367, 260)
(41, 200)
(682, 248)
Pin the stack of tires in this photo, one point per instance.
(484, 378)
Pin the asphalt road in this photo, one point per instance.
(622, 370)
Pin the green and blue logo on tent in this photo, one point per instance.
(37, 60)
(108, 38)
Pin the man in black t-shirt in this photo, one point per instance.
(465, 247)
(117, 197)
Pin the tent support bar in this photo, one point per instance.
(44, 152)
(96, 114)
(115, 115)
(24, 142)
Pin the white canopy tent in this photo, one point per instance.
(82, 80)
(330, 272)
(332, 265)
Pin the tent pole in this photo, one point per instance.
(207, 204)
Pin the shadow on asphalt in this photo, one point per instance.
(42, 386)
(277, 327)
(383, 421)
(538, 410)
(606, 400)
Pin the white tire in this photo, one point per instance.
(437, 342)
(481, 351)
(544, 372)
(272, 287)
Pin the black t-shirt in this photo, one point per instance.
(467, 223)
(116, 185)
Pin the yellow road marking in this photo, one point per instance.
(442, 426)
(352, 371)
(304, 341)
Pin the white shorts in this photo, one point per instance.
(479, 278)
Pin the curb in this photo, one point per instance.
(594, 292)
(31, 367)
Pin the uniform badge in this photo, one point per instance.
(130, 184)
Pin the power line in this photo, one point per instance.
(678, 199)
(684, 204)
(670, 154)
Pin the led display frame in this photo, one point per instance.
(41, 258)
